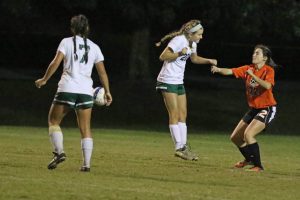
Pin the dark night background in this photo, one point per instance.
(126, 31)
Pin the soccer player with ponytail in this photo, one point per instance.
(75, 89)
(259, 82)
(183, 45)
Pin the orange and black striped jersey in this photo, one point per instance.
(257, 96)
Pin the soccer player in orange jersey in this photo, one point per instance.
(259, 81)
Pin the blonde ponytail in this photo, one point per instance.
(185, 29)
(168, 37)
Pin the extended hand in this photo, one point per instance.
(214, 69)
(213, 62)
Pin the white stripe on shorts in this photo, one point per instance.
(67, 102)
(84, 103)
(273, 114)
(162, 87)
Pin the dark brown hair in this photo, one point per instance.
(80, 26)
(268, 53)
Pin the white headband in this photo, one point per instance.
(195, 28)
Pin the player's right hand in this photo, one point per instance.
(214, 69)
(184, 51)
(40, 82)
(108, 98)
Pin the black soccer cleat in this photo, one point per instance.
(57, 158)
(85, 169)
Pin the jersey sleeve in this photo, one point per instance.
(99, 56)
(175, 44)
(270, 76)
(240, 72)
(62, 47)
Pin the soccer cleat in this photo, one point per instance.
(57, 158)
(254, 169)
(242, 164)
(186, 153)
(85, 169)
(191, 155)
(180, 153)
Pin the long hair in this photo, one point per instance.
(267, 53)
(80, 26)
(184, 30)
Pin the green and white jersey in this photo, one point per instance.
(172, 72)
(76, 76)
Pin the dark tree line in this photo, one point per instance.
(242, 18)
(142, 22)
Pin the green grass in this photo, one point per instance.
(140, 165)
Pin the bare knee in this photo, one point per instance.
(249, 137)
(54, 129)
(233, 139)
(85, 132)
(182, 116)
(53, 120)
(53, 123)
(236, 139)
(173, 117)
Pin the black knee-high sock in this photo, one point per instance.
(246, 153)
(255, 155)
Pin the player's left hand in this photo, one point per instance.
(213, 62)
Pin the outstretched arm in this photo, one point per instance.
(104, 81)
(223, 71)
(200, 60)
(50, 70)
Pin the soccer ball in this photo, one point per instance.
(99, 97)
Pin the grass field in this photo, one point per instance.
(140, 165)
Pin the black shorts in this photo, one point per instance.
(265, 115)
